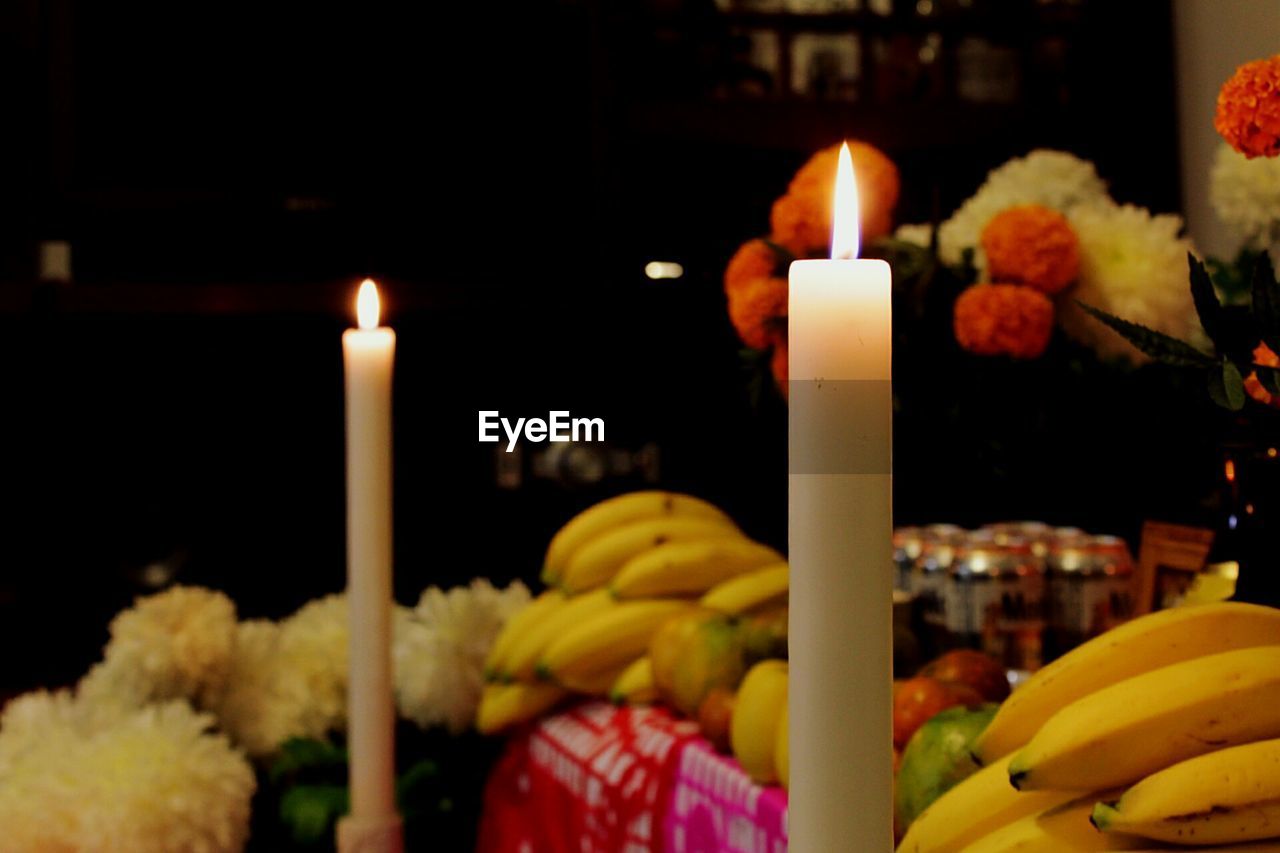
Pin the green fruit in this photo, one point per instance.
(713, 657)
(937, 758)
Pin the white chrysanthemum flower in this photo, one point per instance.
(288, 679)
(1246, 196)
(917, 234)
(172, 645)
(441, 647)
(153, 780)
(1132, 265)
(1054, 179)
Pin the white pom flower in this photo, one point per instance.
(1054, 179)
(1246, 196)
(1132, 265)
(920, 234)
(288, 679)
(441, 647)
(172, 645)
(152, 780)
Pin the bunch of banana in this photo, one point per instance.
(1150, 642)
(757, 715)
(1181, 707)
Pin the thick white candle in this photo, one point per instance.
(373, 825)
(841, 544)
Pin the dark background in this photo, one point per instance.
(226, 173)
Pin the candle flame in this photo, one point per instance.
(844, 224)
(367, 306)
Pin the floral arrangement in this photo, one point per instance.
(755, 281)
(1039, 236)
(153, 750)
(1240, 361)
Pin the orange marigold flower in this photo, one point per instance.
(754, 259)
(778, 362)
(1253, 385)
(801, 219)
(1248, 114)
(1003, 319)
(1032, 245)
(758, 309)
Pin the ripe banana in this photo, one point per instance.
(1057, 829)
(608, 640)
(753, 731)
(597, 562)
(506, 705)
(522, 660)
(517, 626)
(979, 805)
(594, 682)
(1150, 642)
(689, 568)
(749, 591)
(1229, 795)
(782, 750)
(615, 512)
(635, 685)
(1120, 734)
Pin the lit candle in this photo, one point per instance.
(841, 543)
(373, 825)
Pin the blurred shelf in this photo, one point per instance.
(802, 125)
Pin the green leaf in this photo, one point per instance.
(1158, 345)
(1226, 386)
(305, 753)
(1206, 301)
(1266, 301)
(310, 811)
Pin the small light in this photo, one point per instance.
(1230, 470)
(1248, 509)
(663, 269)
(1271, 453)
(1232, 521)
(924, 8)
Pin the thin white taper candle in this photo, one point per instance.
(373, 825)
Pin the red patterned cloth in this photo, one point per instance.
(595, 778)
(600, 779)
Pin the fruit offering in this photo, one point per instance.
(619, 572)
(1159, 734)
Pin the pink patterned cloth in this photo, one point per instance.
(625, 780)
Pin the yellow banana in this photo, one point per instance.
(689, 568)
(522, 660)
(517, 626)
(782, 750)
(615, 512)
(1120, 734)
(635, 685)
(594, 682)
(1150, 642)
(753, 731)
(979, 805)
(612, 638)
(1060, 829)
(1229, 795)
(506, 705)
(749, 591)
(597, 562)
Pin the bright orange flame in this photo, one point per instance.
(367, 307)
(1231, 471)
(844, 224)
